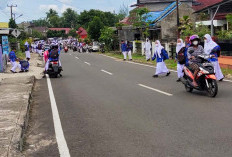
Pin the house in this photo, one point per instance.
(163, 15)
(67, 30)
(42, 30)
(216, 11)
(82, 33)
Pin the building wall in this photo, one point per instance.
(169, 24)
(127, 34)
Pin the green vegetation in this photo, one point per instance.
(20, 54)
(95, 27)
(107, 37)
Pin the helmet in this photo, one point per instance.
(194, 37)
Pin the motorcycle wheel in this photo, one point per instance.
(188, 89)
(213, 88)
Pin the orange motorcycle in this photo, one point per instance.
(205, 79)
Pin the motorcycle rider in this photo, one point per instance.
(193, 51)
(54, 48)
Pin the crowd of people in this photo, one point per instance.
(190, 50)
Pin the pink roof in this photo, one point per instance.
(67, 30)
(126, 21)
(205, 3)
(82, 32)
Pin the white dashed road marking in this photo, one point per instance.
(87, 63)
(159, 91)
(106, 72)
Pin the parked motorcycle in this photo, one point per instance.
(54, 69)
(205, 79)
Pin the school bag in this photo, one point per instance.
(24, 65)
(54, 54)
(181, 56)
(165, 55)
(40, 47)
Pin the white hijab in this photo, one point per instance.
(26, 43)
(180, 46)
(209, 44)
(148, 44)
(158, 48)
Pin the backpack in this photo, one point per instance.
(54, 54)
(40, 47)
(181, 56)
(24, 64)
(165, 55)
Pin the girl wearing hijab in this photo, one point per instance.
(27, 51)
(160, 55)
(180, 67)
(147, 48)
(211, 48)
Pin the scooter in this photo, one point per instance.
(54, 69)
(205, 79)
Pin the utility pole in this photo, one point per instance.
(11, 9)
(178, 18)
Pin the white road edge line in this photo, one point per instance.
(87, 63)
(62, 144)
(159, 91)
(106, 72)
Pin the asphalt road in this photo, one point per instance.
(111, 108)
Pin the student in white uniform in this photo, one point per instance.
(27, 50)
(213, 48)
(180, 67)
(160, 55)
(147, 49)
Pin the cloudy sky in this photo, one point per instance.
(35, 9)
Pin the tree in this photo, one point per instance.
(107, 36)
(139, 18)
(70, 18)
(40, 23)
(51, 13)
(12, 23)
(95, 27)
(37, 34)
(73, 33)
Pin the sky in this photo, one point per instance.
(35, 9)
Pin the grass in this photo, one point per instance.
(20, 54)
(171, 64)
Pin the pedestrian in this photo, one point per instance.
(129, 50)
(13, 60)
(40, 47)
(147, 49)
(124, 49)
(180, 50)
(27, 50)
(160, 55)
(213, 49)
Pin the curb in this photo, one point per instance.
(26, 117)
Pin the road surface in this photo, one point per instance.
(111, 108)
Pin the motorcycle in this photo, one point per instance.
(205, 79)
(54, 69)
(66, 49)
